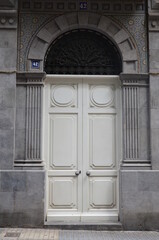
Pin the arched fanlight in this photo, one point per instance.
(83, 52)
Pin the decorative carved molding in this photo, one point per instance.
(8, 19)
(72, 21)
(102, 96)
(30, 78)
(8, 22)
(132, 26)
(154, 23)
(63, 96)
(104, 6)
(137, 27)
(139, 79)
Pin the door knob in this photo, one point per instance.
(88, 173)
(78, 172)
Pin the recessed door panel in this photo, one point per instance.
(63, 192)
(102, 141)
(101, 95)
(63, 141)
(102, 192)
(64, 95)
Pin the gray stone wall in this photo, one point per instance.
(154, 80)
(21, 191)
(154, 87)
(139, 189)
(8, 53)
(7, 118)
(22, 198)
(139, 199)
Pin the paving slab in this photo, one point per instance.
(56, 234)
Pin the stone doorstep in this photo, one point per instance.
(114, 226)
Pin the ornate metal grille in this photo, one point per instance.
(83, 52)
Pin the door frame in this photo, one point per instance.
(45, 122)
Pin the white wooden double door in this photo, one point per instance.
(82, 148)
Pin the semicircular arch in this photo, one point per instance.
(71, 21)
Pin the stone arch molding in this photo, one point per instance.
(102, 24)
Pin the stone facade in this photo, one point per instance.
(27, 28)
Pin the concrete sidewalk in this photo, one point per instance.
(32, 234)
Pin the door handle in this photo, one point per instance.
(88, 173)
(78, 172)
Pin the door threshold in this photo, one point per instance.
(103, 226)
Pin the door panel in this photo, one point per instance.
(101, 95)
(63, 141)
(82, 148)
(63, 192)
(102, 141)
(99, 189)
(64, 95)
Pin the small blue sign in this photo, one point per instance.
(35, 64)
(83, 5)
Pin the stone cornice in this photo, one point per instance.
(133, 77)
(29, 78)
(134, 80)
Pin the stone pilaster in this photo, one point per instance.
(29, 120)
(8, 64)
(154, 79)
(135, 95)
